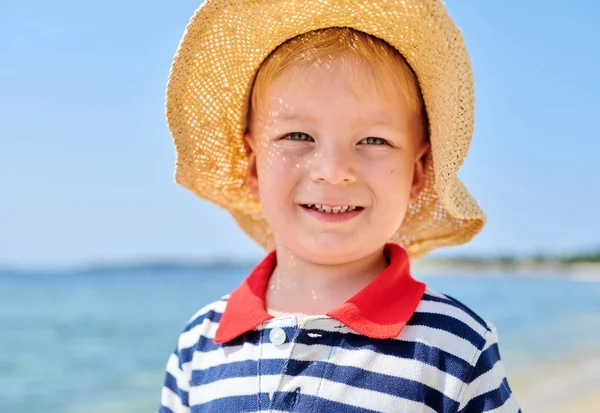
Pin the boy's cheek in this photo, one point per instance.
(273, 175)
(276, 160)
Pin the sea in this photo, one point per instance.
(98, 341)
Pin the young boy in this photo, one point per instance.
(332, 131)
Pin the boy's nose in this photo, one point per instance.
(334, 166)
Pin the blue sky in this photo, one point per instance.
(86, 159)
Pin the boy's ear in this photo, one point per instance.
(252, 173)
(419, 172)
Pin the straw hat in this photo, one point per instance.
(221, 50)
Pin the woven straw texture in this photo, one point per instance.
(221, 50)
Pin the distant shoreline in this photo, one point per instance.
(582, 270)
(583, 264)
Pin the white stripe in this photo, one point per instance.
(172, 401)
(217, 306)
(329, 390)
(191, 337)
(436, 294)
(363, 398)
(409, 369)
(183, 380)
(235, 386)
(233, 354)
(488, 381)
(452, 311)
(441, 339)
(224, 355)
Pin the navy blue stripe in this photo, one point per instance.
(378, 382)
(353, 376)
(486, 361)
(171, 383)
(449, 324)
(490, 400)
(246, 403)
(212, 315)
(429, 297)
(444, 300)
(164, 409)
(205, 344)
(244, 368)
(430, 355)
(411, 350)
(309, 403)
(249, 368)
(186, 354)
(286, 401)
(251, 337)
(454, 302)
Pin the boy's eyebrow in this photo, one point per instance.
(380, 120)
(376, 120)
(287, 116)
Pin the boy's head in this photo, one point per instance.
(337, 136)
(276, 105)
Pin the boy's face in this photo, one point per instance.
(321, 138)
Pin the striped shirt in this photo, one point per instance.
(396, 346)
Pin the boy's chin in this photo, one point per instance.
(331, 252)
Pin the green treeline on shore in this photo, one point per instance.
(592, 257)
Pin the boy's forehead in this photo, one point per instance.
(300, 93)
(345, 72)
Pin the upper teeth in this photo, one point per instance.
(334, 209)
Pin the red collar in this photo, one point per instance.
(380, 310)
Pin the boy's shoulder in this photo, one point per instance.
(448, 316)
(202, 326)
(439, 302)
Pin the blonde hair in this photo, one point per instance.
(323, 46)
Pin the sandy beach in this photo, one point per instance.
(568, 386)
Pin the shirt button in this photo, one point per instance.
(277, 336)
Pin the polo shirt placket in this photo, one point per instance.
(294, 385)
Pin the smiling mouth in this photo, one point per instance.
(339, 209)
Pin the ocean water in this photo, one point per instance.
(99, 342)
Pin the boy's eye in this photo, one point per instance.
(374, 141)
(298, 136)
